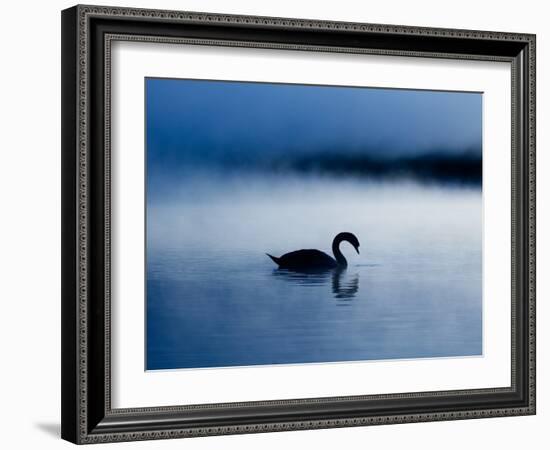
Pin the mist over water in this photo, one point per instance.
(215, 299)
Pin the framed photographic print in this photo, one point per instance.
(276, 224)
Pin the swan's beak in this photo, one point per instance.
(357, 250)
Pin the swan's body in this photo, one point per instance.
(305, 259)
(311, 259)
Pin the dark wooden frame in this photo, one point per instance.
(87, 415)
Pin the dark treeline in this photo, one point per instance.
(450, 168)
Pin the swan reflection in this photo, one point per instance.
(344, 285)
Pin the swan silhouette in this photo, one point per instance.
(311, 259)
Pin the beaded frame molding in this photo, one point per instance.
(87, 35)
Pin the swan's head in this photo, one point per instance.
(348, 237)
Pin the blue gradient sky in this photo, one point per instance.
(212, 123)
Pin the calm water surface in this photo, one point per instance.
(215, 299)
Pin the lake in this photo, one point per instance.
(214, 299)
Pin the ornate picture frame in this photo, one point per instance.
(88, 415)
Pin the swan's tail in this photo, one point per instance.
(275, 259)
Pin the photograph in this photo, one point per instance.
(300, 223)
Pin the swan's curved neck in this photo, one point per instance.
(337, 253)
